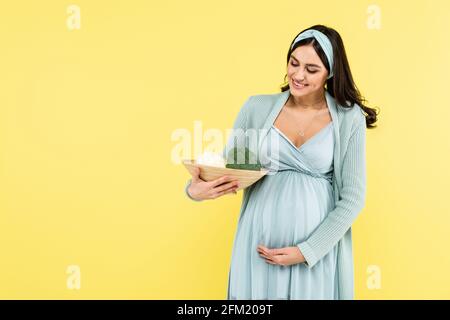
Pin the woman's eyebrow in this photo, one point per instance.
(308, 64)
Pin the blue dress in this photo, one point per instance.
(284, 208)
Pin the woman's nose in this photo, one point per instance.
(299, 75)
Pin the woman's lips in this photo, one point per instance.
(298, 85)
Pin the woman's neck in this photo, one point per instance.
(310, 103)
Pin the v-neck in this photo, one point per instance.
(307, 141)
(278, 104)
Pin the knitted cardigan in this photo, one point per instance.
(349, 179)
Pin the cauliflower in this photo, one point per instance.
(211, 159)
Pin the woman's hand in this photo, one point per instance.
(283, 256)
(202, 190)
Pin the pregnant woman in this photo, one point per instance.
(293, 239)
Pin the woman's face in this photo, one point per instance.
(305, 67)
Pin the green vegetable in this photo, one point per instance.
(243, 159)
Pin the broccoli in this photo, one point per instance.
(242, 158)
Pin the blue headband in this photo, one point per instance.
(324, 43)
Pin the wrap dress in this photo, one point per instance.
(285, 207)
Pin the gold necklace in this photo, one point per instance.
(302, 132)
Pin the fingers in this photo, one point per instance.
(269, 259)
(273, 252)
(221, 180)
(265, 256)
(270, 255)
(264, 249)
(226, 186)
(221, 193)
(264, 253)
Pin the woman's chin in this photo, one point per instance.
(300, 91)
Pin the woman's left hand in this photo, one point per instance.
(282, 256)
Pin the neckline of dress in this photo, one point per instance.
(308, 140)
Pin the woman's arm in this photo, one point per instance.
(351, 202)
(238, 131)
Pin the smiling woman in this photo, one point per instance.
(310, 64)
(293, 239)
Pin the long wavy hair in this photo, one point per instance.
(341, 86)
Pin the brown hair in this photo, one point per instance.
(341, 86)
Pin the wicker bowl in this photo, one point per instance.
(245, 177)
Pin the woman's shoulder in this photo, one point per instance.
(353, 116)
(263, 103)
(267, 97)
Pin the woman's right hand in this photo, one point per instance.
(203, 190)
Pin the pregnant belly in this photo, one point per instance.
(288, 206)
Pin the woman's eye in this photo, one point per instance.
(296, 65)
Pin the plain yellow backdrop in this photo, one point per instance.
(86, 121)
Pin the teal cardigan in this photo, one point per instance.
(349, 179)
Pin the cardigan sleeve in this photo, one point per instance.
(351, 201)
(237, 135)
(238, 132)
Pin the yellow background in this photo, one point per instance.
(86, 118)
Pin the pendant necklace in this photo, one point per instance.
(302, 132)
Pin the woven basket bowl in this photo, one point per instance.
(245, 177)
